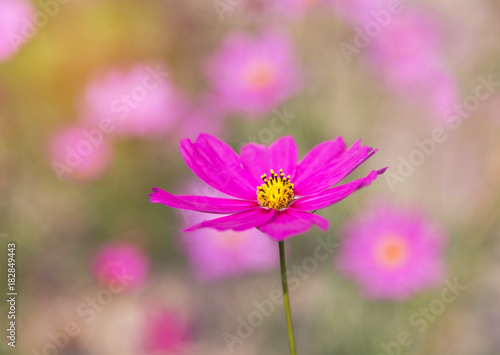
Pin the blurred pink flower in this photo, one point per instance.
(253, 74)
(215, 255)
(407, 57)
(406, 49)
(140, 102)
(296, 7)
(392, 253)
(15, 18)
(359, 11)
(124, 263)
(165, 332)
(441, 94)
(79, 153)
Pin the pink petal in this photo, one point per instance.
(238, 221)
(219, 166)
(318, 157)
(334, 195)
(284, 154)
(289, 223)
(201, 203)
(333, 171)
(259, 159)
(254, 158)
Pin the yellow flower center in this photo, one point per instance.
(391, 251)
(276, 192)
(259, 75)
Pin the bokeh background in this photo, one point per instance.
(95, 97)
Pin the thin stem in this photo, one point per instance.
(286, 298)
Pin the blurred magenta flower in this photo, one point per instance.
(215, 255)
(407, 48)
(79, 153)
(406, 56)
(140, 102)
(165, 332)
(441, 94)
(278, 204)
(16, 25)
(392, 253)
(123, 263)
(253, 74)
(363, 11)
(296, 7)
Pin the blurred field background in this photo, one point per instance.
(399, 87)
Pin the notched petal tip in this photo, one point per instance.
(209, 139)
(185, 141)
(322, 224)
(154, 191)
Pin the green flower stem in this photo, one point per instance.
(286, 298)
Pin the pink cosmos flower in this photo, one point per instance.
(253, 74)
(139, 102)
(392, 253)
(78, 155)
(215, 255)
(14, 15)
(165, 332)
(279, 203)
(116, 259)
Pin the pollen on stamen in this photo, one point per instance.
(276, 192)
